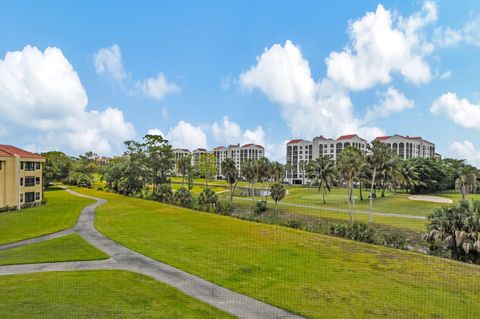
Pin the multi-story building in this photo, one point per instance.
(196, 153)
(20, 177)
(238, 154)
(102, 160)
(220, 154)
(299, 153)
(409, 147)
(178, 154)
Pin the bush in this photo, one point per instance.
(223, 208)
(358, 231)
(164, 193)
(207, 200)
(260, 207)
(183, 197)
(80, 180)
(293, 224)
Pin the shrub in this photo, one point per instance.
(223, 208)
(260, 207)
(358, 231)
(183, 197)
(207, 199)
(164, 193)
(292, 223)
(80, 180)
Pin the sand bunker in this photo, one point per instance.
(429, 198)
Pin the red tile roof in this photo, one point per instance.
(218, 148)
(348, 137)
(295, 141)
(382, 138)
(248, 145)
(10, 151)
(321, 137)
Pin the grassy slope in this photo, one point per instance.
(60, 212)
(68, 248)
(314, 275)
(96, 294)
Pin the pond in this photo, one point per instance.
(257, 192)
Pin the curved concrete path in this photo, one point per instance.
(123, 258)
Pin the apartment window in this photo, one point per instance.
(37, 195)
(29, 181)
(29, 166)
(0, 166)
(37, 165)
(21, 198)
(37, 180)
(21, 181)
(29, 197)
(21, 165)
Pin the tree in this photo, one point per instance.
(458, 228)
(323, 172)
(303, 165)
(379, 155)
(57, 167)
(124, 176)
(164, 193)
(277, 192)
(349, 165)
(159, 159)
(87, 163)
(466, 183)
(277, 172)
(230, 172)
(183, 197)
(207, 166)
(79, 179)
(183, 166)
(207, 199)
(408, 176)
(249, 172)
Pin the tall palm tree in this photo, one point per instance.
(349, 165)
(377, 159)
(303, 165)
(183, 164)
(322, 170)
(277, 191)
(249, 172)
(230, 172)
(466, 183)
(408, 177)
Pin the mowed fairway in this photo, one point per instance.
(68, 248)
(60, 212)
(96, 294)
(313, 275)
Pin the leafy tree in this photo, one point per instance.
(80, 180)
(378, 158)
(207, 166)
(57, 167)
(124, 176)
(249, 172)
(277, 192)
(277, 172)
(458, 228)
(230, 172)
(467, 183)
(159, 159)
(87, 163)
(184, 164)
(432, 175)
(183, 197)
(349, 165)
(207, 199)
(322, 170)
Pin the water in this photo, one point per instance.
(257, 192)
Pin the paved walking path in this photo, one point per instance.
(342, 210)
(123, 258)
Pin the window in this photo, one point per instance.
(0, 166)
(21, 181)
(29, 197)
(37, 180)
(21, 198)
(29, 181)
(29, 166)
(37, 165)
(37, 195)
(21, 165)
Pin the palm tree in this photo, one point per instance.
(249, 172)
(230, 172)
(349, 165)
(183, 164)
(277, 192)
(377, 159)
(277, 172)
(322, 170)
(408, 177)
(466, 183)
(303, 165)
(207, 199)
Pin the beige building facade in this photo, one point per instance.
(21, 181)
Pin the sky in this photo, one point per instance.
(89, 75)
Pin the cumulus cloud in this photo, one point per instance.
(108, 62)
(41, 91)
(466, 150)
(391, 101)
(229, 132)
(308, 107)
(155, 131)
(383, 44)
(469, 33)
(461, 111)
(256, 136)
(186, 135)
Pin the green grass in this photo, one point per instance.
(314, 275)
(96, 294)
(61, 212)
(197, 189)
(68, 248)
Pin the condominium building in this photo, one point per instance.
(196, 153)
(409, 147)
(332, 148)
(102, 160)
(299, 153)
(20, 177)
(220, 154)
(238, 153)
(178, 154)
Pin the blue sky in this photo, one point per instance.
(89, 75)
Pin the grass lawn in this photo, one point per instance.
(314, 275)
(197, 189)
(68, 248)
(96, 294)
(60, 212)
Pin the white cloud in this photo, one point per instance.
(256, 136)
(445, 75)
(391, 101)
(155, 131)
(157, 87)
(186, 135)
(461, 111)
(226, 132)
(309, 108)
(382, 44)
(42, 91)
(469, 33)
(466, 150)
(108, 62)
